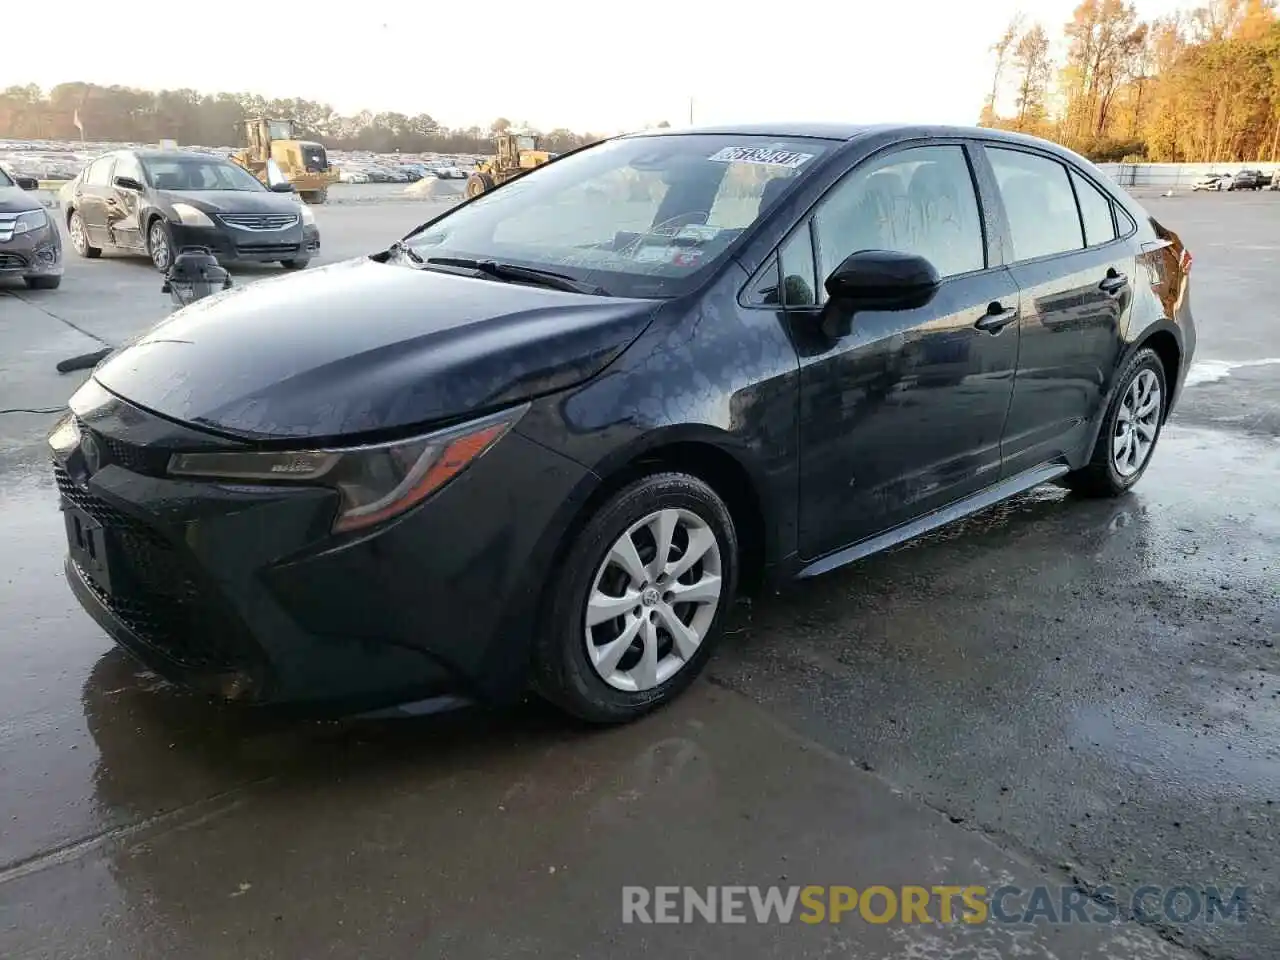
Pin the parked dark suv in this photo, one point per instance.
(546, 436)
(1248, 180)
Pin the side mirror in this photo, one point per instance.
(27, 183)
(128, 183)
(285, 187)
(883, 280)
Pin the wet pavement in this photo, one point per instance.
(1054, 692)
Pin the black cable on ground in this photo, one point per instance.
(32, 410)
(86, 361)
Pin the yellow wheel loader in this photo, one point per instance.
(304, 163)
(516, 154)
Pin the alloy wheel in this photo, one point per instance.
(158, 244)
(78, 239)
(1137, 423)
(653, 599)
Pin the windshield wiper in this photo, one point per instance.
(511, 271)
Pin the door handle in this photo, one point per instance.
(997, 317)
(1113, 282)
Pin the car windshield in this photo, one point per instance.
(637, 216)
(197, 173)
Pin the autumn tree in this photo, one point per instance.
(1002, 48)
(1201, 84)
(1033, 68)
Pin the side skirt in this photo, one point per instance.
(1002, 490)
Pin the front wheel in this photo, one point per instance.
(295, 264)
(639, 601)
(478, 183)
(1129, 432)
(43, 283)
(159, 246)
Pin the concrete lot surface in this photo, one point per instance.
(1055, 692)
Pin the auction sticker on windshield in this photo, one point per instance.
(761, 155)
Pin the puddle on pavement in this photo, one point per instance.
(90, 744)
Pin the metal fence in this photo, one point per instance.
(1174, 176)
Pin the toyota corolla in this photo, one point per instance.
(544, 439)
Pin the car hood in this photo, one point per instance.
(234, 201)
(17, 200)
(362, 347)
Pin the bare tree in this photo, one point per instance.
(1002, 48)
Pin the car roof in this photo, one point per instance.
(172, 154)
(845, 131)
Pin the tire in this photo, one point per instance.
(478, 183)
(295, 264)
(80, 237)
(1101, 477)
(315, 196)
(43, 283)
(157, 235)
(565, 673)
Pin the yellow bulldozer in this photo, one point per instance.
(304, 163)
(516, 154)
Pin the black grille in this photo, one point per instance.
(155, 596)
(260, 221)
(274, 249)
(11, 261)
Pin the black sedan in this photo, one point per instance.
(156, 202)
(544, 438)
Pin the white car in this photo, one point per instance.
(1212, 181)
(352, 175)
(448, 171)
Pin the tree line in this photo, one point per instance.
(128, 115)
(1199, 85)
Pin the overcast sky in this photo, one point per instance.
(599, 66)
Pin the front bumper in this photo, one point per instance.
(234, 245)
(35, 254)
(242, 592)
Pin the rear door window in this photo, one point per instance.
(1038, 202)
(1095, 211)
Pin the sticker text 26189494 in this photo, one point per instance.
(763, 155)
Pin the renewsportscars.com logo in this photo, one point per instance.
(971, 904)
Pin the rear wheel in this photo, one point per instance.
(1130, 431)
(639, 600)
(80, 237)
(316, 196)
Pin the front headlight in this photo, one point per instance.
(375, 483)
(304, 211)
(192, 217)
(31, 221)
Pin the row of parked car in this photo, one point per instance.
(398, 172)
(1241, 180)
